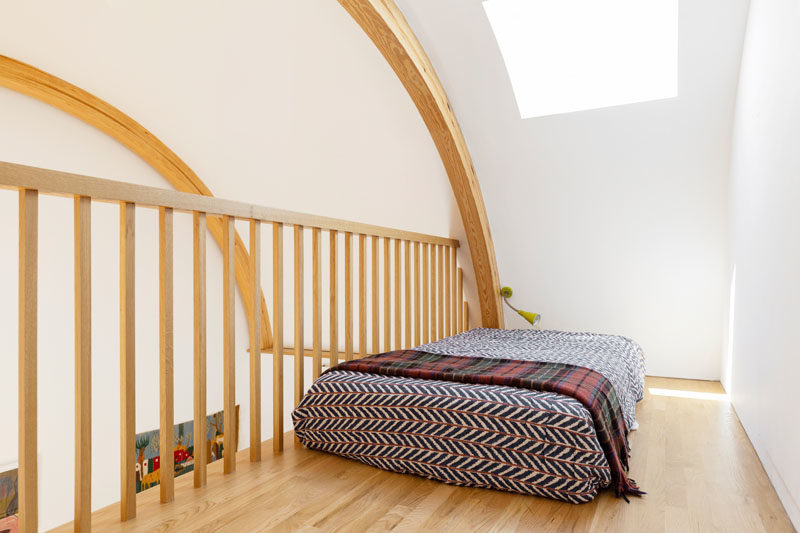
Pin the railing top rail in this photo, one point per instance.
(54, 182)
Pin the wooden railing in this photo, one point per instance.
(437, 305)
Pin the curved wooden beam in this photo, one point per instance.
(383, 22)
(49, 89)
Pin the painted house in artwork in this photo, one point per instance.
(148, 455)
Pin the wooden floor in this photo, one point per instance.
(690, 455)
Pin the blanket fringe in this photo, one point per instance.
(626, 486)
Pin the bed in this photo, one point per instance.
(501, 437)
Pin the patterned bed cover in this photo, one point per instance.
(478, 435)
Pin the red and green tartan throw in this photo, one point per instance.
(588, 387)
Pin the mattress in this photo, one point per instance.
(489, 436)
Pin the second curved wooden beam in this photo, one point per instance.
(383, 22)
(49, 89)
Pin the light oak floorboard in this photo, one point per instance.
(691, 456)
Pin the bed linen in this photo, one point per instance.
(492, 436)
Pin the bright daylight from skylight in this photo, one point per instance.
(571, 55)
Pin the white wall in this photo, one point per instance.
(283, 104)
(611, 220)
(765, 252)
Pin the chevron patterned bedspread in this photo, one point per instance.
(489, 436)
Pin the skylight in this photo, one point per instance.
(570, 55)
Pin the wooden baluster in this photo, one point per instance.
(466, 316)
(228, 344)
(417, 310)
(440, 293)
(387, 296)
(376, 287)
(397, 297)
(277, 337)
(199, 229)
(348, 296)
(127, 359)
(460, 298)
(434, 310)
(454, 290)
(407, 291)
(83, 363)
(334, 347)
(426, 303)
(448, 318)
(166, 362)
(316, 252)
(28, 505)
(299, 312)
(255, 342)
(362, 295)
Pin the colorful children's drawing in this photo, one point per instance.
(8, 493)
(9, 524)
(9, 500)
(148, 456)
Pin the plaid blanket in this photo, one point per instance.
(588, 387)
